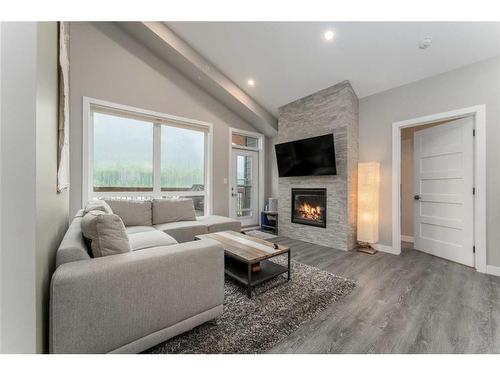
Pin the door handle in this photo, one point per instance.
(416, 197)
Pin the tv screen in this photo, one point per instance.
(307, 157)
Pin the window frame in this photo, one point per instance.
(158, 119)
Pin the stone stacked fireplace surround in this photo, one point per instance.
(334, 109)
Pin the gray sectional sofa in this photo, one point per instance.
(125, 303)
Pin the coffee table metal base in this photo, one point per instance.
(242, 272)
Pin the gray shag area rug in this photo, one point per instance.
(255, 325)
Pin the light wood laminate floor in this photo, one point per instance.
(408, 303)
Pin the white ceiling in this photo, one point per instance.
(290, 60)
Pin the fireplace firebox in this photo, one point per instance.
(309, 207)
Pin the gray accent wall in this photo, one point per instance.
(52, 208)
(334, 109)
(271, 168)
(107, 63)
(471, 85)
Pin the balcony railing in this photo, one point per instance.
(195, 192)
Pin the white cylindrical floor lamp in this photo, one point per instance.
(368, 202)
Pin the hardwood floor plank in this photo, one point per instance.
(411, 303)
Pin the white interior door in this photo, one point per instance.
(245, 187)
(443, 191)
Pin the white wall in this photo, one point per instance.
(18, 190)
(108, 64)
(475, 84)
(33, 216)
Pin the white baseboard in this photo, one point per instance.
(384, 248)
(407, 238)
(493, 270)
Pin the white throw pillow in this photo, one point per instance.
(97, 205)
(106, 233)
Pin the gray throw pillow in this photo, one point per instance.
(132, 212)
(172, 210)
(97, 205)
(106, 233)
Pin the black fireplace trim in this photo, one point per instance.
(307, 222)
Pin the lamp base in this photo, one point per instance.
(364, 247)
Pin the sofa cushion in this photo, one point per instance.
(183, 231)
(106, 233)
(173, 210)
(216, 223)
(139, 229)
(154, 238)
(132, 212)
(97, 205)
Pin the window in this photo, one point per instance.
(244, 140)
(123, 154)
(244, 184)
(182, 159)
(144, 155)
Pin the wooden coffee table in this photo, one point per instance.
(244, 253)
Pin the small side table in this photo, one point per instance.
(269, 221)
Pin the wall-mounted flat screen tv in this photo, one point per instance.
(307, 157)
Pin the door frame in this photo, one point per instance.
(261, 154)
(478, 113)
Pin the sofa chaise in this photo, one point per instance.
(125, 303)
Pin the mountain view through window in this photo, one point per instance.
(123, 156)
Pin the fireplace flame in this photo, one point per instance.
(306, 211)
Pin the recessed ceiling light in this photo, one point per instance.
(251, 82)
(329, 35)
